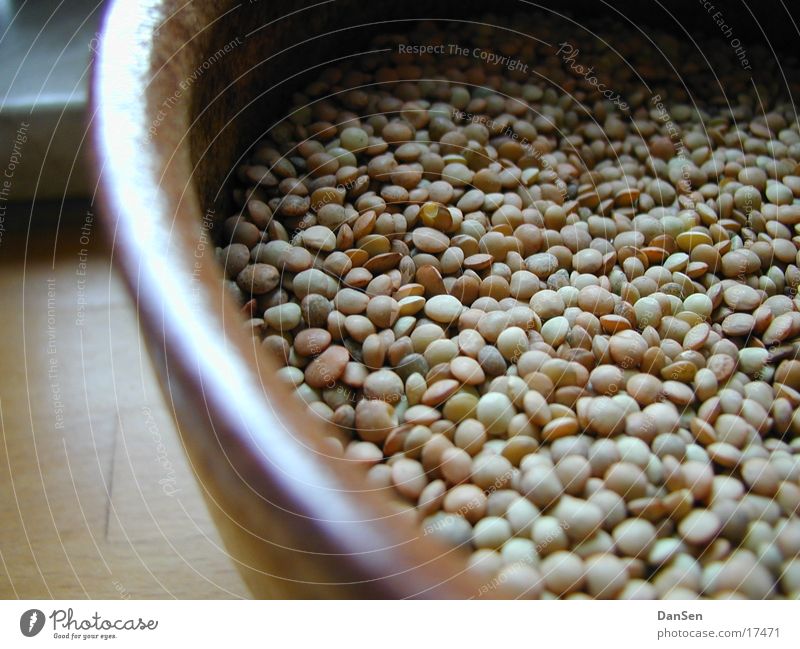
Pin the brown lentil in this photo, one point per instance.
(566, 343)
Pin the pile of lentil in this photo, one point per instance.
(559, 335)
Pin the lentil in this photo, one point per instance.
(563, 340)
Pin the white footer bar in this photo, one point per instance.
(399, 625)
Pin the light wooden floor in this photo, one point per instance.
(96, 498)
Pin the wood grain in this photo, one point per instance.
(96, 497)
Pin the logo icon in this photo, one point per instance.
(31, 622)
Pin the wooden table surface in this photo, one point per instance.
(96, 497)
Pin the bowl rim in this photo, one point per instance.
(188, 350)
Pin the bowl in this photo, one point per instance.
(177, 94)
(180, 92)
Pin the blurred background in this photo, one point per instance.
(96, 498)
